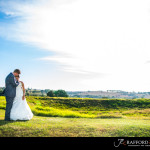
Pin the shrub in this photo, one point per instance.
(61, 93)
(51, 93)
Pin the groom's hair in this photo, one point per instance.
(17, 71)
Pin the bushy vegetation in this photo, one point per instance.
(77, 117)
(87, 107)
(53, 112)
(91, 104)
(57, 93)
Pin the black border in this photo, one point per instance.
(72, 142)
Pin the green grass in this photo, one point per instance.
(91, 104)
(74, 127)
(49, 111)
(87, 108)
(90, 108)
(71, 117)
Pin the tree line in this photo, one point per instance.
(58, 93)
(46, 92)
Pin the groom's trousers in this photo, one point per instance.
(9, 103)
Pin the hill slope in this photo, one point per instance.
(68, 117)
(87, 108)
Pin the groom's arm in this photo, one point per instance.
(12, 81)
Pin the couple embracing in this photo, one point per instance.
(16, 104)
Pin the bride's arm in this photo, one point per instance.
(24, 91)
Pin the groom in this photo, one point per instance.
(10, 91)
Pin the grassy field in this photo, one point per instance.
(71, 117)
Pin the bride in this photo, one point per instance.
(20, 109)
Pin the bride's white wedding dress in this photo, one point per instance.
(20, 109)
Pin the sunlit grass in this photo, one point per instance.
(53, 112)
(86, 108)
(41, 126)
(80, 118)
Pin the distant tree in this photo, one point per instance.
(2, 91)
(47, 90)
(105, 97)
(51, 93)
(42, 91)
(61, 93)
(27, 94)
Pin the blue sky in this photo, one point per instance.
(19, 55)
(76, 44)
(24, 56)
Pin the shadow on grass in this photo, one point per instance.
(3, 122)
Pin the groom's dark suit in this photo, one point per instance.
(10, 93)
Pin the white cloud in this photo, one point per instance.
(105, 38)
